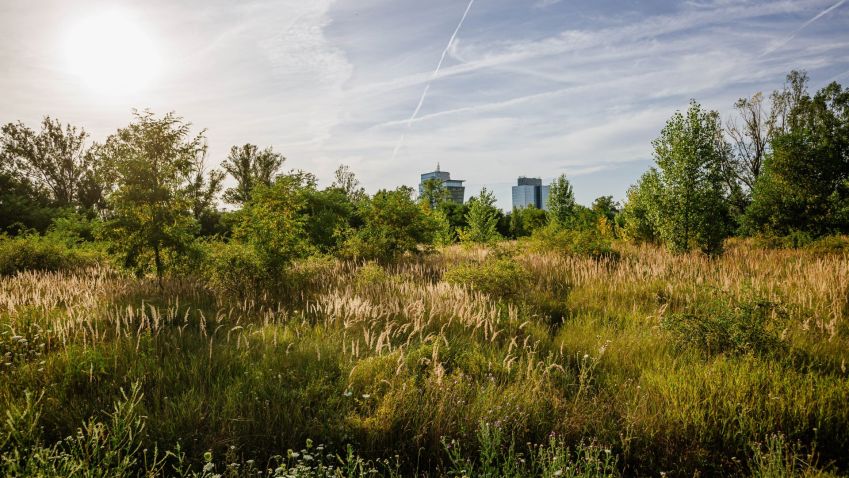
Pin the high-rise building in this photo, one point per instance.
(455, 188)
(530, 192)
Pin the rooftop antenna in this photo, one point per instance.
(437, 167)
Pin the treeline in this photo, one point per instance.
(779, 170)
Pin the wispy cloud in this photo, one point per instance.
(433, 76)
(793, 35)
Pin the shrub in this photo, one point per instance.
(370, 275)
(829, 245)
(583, 241)
(38, 253)
(235, 269)
(498, 278)
(753, 325)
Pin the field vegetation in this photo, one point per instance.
(702, 329)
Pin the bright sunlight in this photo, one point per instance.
(111, 54)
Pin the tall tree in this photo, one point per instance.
(482, 219)
(250, 167)
(274, 221)
(434, 193)
(805, 185)
(345, 180)
(689, 153)
(151, 163)
(54, 159)
(561, 201)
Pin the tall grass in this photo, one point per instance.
(645, 363)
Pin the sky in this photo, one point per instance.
(521, 88)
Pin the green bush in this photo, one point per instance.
(582, 241)
(498, 278)
(39, 253)
(753, 325)
(235, 269)
(371, 275)
(829, 245)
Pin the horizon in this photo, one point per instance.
(490, 89)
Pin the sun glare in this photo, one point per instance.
(111, 54)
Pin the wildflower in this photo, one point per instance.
(558, 472)
(208, 467)
(207, 457)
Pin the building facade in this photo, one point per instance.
(455, 188)
(530, 192)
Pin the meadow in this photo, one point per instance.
(467, 361)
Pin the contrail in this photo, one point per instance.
(434, 75)
(804, 25)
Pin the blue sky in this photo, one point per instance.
(527, 87)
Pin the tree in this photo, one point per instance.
(692, 209)
(482, 219)
(561, 202)
(805, 185)
(330, 217)
(524, 221)
(434, 193)
(640, 212)
(250, 167)
(605, 206)
(273, 221)
(393, 224)
(151, 164)
(345, 180)
(55, 160)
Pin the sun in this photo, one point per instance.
(111, 54)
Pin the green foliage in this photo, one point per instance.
(445, 234)
(370, 275)
(234, 269)
(273, 221)
(482, 219)
(39, 253)
(498, 278)
(434, 193)
(752, 325)
(393, 224)
(524, 221)
(498, 457)
(330, 216)
(805, 183)
(22, 206)
(640, 213)
(55, 161)
(605, 206)
(581, 241)
(251, 168)
(151, 162)
(691, 210)
(561, 201)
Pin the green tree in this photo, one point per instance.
(393, 223)
(640, 212)
(561, 202)
(692, 209)
(434, 193)
(274, 221)
(345, 180)
(444, 233)
(524, 221)
(330, 217)
(151, 163)
(54, 159)
(482, 219)
(805, 184)
(250, 167)
(606, 207)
